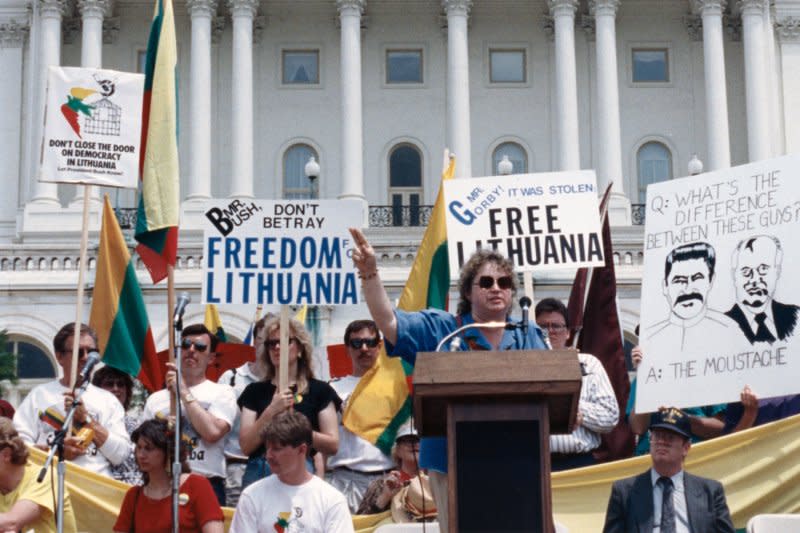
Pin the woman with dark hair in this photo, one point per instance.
(259, 402)
(26, 504)
(148, 508)
(120, 385)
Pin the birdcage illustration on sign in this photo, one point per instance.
(106, 118)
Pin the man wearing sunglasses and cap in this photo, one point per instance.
(666, 499)
(487, 285)
(208, 408)
(358, 462)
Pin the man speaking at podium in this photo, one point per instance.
(486, 286)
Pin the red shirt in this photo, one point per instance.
(197, 505)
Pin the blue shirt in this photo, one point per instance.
(421, 332)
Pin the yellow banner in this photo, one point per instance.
(758, 467)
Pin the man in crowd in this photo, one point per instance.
(688, 277)
(598, 411)
(208, 408)
(44, 409)
(358, 462)
(292, 499)
(666, 498)
(486, 285)
(756, 270)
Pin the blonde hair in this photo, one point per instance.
(270, 324)
(9, 438)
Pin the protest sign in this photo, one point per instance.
(92, 130)
(288, 252)
(540, 222)
(718, 298)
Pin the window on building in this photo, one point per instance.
(653, 165)
(650, 65)
(300, 67)
(404, 66)
(295, 183)
(516, 154)
(32, 360)
(507, 66)
(405, 184)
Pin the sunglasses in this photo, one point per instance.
(273, 344)
(82, 352)
(112, 384)
(356, 344)
(487, 282)
(198, 345)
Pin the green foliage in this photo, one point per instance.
(8, 361)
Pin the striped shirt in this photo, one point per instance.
(598, 407)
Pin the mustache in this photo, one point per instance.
(687, 297)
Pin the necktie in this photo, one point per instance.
(762, 333)
(667, 506)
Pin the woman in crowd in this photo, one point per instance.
(261, 401)
(26, 504)
(120, 385)
(148, 508)
(380, 492)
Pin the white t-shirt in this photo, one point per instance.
(101, 405)
(313, 507)
(354, 452)
(238, 379)
(206, 459)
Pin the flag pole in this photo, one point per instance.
(81, 273)
(171, 325)
(283, 367)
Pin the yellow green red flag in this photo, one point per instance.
(381, 402)
(118, 312)
(214, 323)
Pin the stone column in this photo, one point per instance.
(789, 53)
(563, 13)
(352, 164)
(50, 15)
(242, 13)
(756, 90)
(92, 14)
(458, 113)
(719, 151)
(13, 33)
(199, 186)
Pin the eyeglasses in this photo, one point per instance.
(273, 344)
(356, 344)
(199, 346)
(487, 282)
(553, 326)
(113, 384)
(82, 352)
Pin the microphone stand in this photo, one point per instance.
(176, 463)
(57, 446)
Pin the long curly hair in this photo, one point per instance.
(9, 438)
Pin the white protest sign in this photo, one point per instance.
(92, 129)
(718, 289)
(540, 222)
(288, 252)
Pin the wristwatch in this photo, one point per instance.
(189, 398)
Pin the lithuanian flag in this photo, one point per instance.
(118, 313)
(381, 402)
(214, 323)
(157, 217)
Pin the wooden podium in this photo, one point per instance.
(497, 410)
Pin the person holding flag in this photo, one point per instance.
(487, 285)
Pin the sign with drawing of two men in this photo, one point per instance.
(719, 291)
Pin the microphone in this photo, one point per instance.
(455, 344)
(525, 304)
(183, 301)
(91, 361)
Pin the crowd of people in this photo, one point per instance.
(283, 457)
